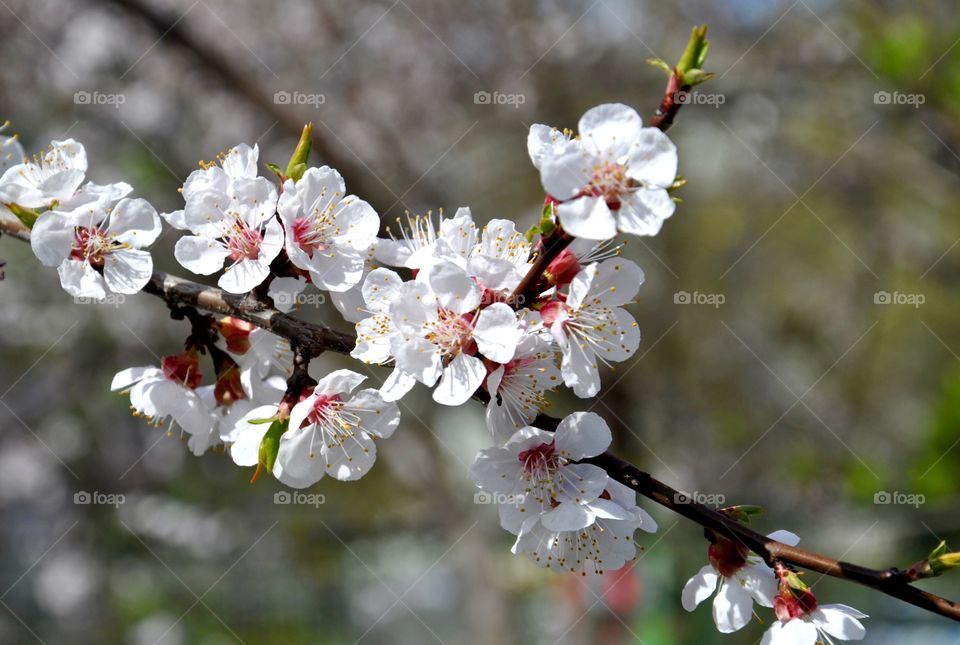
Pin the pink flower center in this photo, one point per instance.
(787, 605)
(183, 368)
(90, 245)
(244, 242)
(307, 236)
(610, 182)
(540, 462)
(727, 556)
(323, 407)
(452, 333)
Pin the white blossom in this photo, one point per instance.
(54, 176)
(168, 392)
(417, 246)
(539, 469)
(230, 211)
(517, 387)
(614, 177)
(799, 623)
(333, 432)
(328, 233)
(439, 327)
(605, 545)
(590, 325)
(738, 578)
(100, 252)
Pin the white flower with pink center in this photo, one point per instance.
(538, 469)
(101, 252)
(168, 392)
(738, 578)
(54, 176)
(606, 544)
(801, 621)
(440, 328)
(517, 387)
(333, 432)
(328, 232)
(230, 212)
(590, 324)
(615, 178)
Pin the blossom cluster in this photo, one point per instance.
(467, 310)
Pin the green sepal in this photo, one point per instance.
(27, 216)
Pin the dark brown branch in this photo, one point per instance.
(315, 338)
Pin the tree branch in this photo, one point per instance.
(314, 338)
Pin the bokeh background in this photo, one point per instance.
(813, 366)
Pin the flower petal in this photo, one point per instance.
(582, 434)
(497, 332)
(732, 607)
(460, 380)
(588, 218)
(839, 621)
(700, 587)
(201, 255)
(128, 270)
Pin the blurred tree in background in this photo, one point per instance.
(822, 209)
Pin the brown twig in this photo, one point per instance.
(315, 338)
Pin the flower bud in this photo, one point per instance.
(562, 270)
(236, 333)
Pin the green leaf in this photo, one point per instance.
(660, 64)
(270, 444)
(742, 513)
(696, 52)
(937, 552)
(532, 233)
(275, 169)
(258, 422)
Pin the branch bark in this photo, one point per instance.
(315, 338)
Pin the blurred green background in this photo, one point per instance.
(822, 214)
